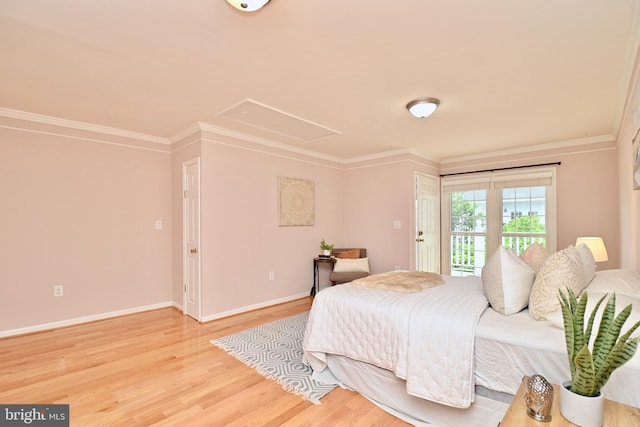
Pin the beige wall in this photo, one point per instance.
(587, 200)
(79, 210)
(80, 213)
(629, 214)
(241, 239)
(586, 190)
(377, 193)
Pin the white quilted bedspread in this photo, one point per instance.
(426, 338)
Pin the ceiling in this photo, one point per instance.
(509, 74)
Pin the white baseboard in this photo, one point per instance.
(253, 307)
(84, 319)
(102, 316)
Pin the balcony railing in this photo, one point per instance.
(468, 250)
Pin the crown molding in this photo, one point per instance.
(383, 155)
(205, 127)
(72, 124)
(186, 132)
(531, 149)
(377, 156)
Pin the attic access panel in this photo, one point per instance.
(253, 113)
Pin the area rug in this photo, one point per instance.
(275, 351)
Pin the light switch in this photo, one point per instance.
(158, 224)
(397, 224)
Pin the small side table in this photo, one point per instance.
(316, 279)
(616, 414)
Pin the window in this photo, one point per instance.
(484, 211)
(468, 230)
(523, 217)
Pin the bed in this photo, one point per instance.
(445, 355)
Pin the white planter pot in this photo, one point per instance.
(581, 410)
(326, 252)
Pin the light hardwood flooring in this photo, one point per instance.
(159, 368)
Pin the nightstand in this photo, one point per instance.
(615, 414)
(316, 281)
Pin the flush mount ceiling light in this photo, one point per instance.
(423, 107)
(248, 5)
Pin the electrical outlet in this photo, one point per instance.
(58, 291)
(272, 275)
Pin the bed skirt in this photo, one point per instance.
(387, 391)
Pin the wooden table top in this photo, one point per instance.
(616, 414)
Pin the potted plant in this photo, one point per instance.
(326, 248)
(592, 367)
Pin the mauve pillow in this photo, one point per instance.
(535, 255)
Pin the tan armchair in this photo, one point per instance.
(341, 275)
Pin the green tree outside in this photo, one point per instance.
(465, 217)
(526, 224)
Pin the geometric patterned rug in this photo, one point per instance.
(275, 351)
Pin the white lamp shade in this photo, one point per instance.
(423, 107)
(247, 5)
(596, 244)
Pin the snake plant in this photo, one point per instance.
(591, 368)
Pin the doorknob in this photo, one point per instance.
(194, 251)
(419, 240)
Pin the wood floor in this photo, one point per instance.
(159, 368)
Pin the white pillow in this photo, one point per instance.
(621, 302)
(535, 255)
(618, 280)
(347, 265)
(561, 270)
(507, 281)
(588, 262)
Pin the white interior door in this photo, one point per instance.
(427, 223)
(191, 238)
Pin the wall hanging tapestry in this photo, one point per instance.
(295, 202)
